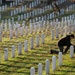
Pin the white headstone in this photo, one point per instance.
(66, 30)
(23, 24)
(13, 51)
(40, 69)
(5, 6)
(32, 71)
(35, 28)
(43, 38)
(31, 43)
(71, 51)
(25, 7)
(12, 20)
(54, 63)
(17, 11)
(24, 16)
(37, 40)
(19, 49)
(16, 2)
(61, 31)
(43, 27)
(60, 59)
(47, 66)
(48, 27)
(39, 27)
(21, 31)
(52, 33)
(9, 21)
(6, 54)
(26, 30)
(11, 5)
(10, 26)
(11, 13)
(5, 25)
(31, 29)
(16, 33)
(22, 8)
(11, 34)
(57, 33)
(27, 15)
(18, 18)
(26, 46)
(14, 12)
(21, 17)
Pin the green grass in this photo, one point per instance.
(21, 64)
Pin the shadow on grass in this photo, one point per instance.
(12, 66)
(5, 70)
(66, 71)
(73, 66)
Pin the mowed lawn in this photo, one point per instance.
(21, 64)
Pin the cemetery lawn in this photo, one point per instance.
(21, 64)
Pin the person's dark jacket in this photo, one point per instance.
(66, 41)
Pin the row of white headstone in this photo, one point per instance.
(70, 17)
(18, 10)
(47, 64)
(37, 2)
(16, 2)
(70, 8)
(66, 21)
(34, 3)
(45, 17)
(34, 12)
(22, 30)
(59, 2)
(3, 7)
(42, 18)
(57, 26)
(38, 39)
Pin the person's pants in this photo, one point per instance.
(67, 48)
(62, 48)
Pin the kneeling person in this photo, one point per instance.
(66, 41)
